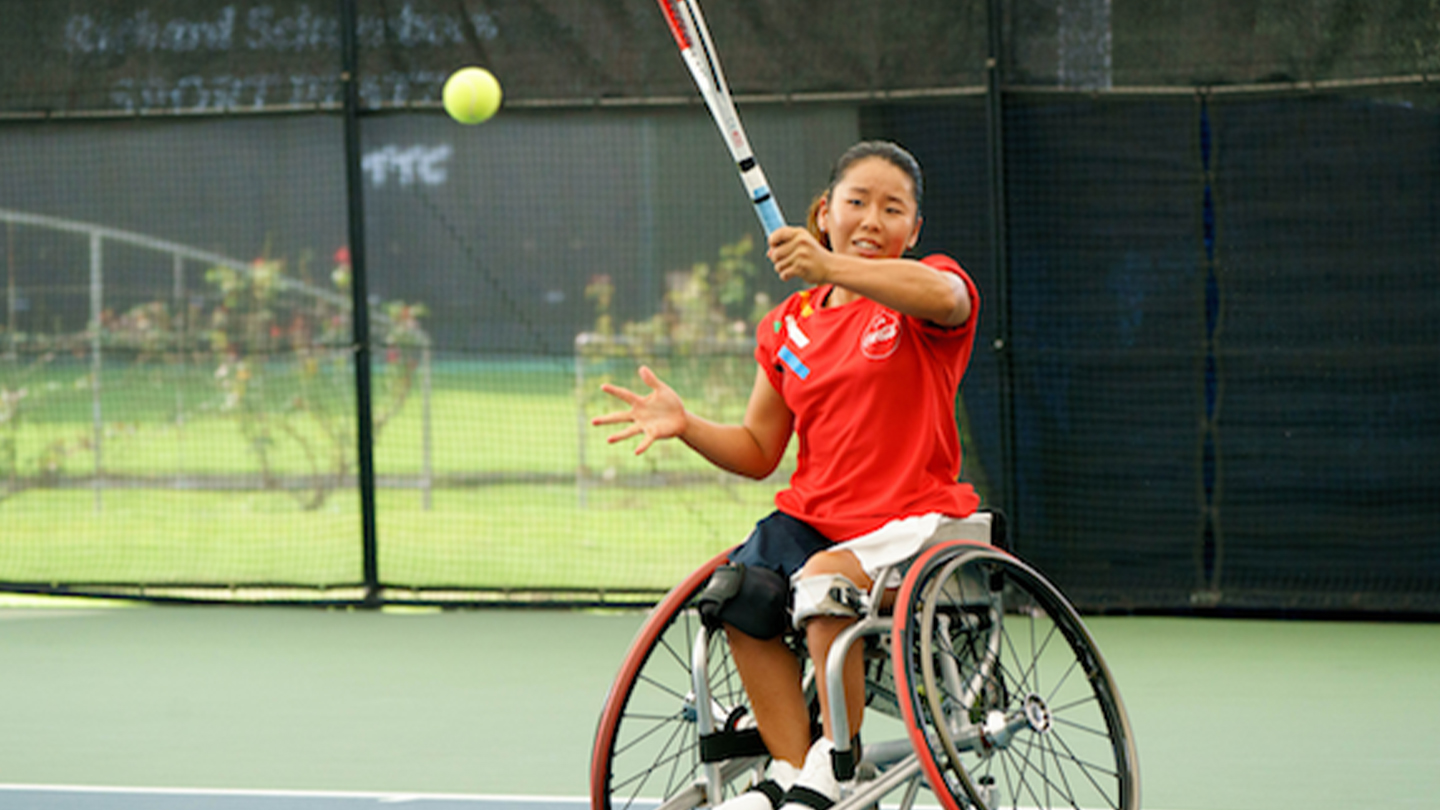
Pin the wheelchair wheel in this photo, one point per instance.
(647, 748)
(1006, 696)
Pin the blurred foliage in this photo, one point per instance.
(279, 349)
(284, 365)
(700, 340)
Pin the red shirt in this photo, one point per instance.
(873, 393)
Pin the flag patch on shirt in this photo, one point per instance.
(790, 360)
(798, 337)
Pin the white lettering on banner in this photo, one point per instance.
(222, 92)
(265, 30)
(423, 163)
(304, 31)
(261, 28)
(196, 94)
(83, 34)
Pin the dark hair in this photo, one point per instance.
(890, 152)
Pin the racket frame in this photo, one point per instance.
(697, 51)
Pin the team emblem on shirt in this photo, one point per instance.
(881, 336)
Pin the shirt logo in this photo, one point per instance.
(882, 336)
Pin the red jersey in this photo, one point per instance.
(873, 393)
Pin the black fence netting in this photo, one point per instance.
(1205, 238)
(1107, 309)
(183, 55)
(1326, 248)
(1165, 43)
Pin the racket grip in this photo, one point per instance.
(769, 213)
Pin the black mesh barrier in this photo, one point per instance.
(1108, 309)
(195, 57)
(1205, 375)
(1165, 43)
(167, 56)
(1329, 351)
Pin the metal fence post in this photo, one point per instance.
(580, 422)
(97, 304)
(359, 306)
(179, 326)
(999, 255)
(427, 466)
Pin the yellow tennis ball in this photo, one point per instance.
(471, 95)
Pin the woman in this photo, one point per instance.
(863, 367)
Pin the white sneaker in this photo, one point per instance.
(767, 794)
(816, 788)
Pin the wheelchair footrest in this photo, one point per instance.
(732, 743)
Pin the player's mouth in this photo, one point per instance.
(866, 247)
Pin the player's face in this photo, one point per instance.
(871, 211)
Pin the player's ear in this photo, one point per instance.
(914, 234)
(819, 210)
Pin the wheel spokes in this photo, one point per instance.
(1007, 697)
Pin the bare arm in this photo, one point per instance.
(752, 449)
(904, 285)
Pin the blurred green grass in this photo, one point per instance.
(485, 418)
(507, 511)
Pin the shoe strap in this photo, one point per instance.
(809, 797)
(772, 791)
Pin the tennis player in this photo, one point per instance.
(863, 367)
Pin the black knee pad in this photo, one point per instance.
(754, 600)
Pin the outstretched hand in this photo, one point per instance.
(658, 415)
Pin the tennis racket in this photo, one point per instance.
(687, 25)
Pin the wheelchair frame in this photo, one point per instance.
(987, 724)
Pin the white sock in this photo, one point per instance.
(782, 773)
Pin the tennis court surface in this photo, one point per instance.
(213, 707)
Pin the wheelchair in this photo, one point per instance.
(1001, 696)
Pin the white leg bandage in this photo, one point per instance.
(827, 595)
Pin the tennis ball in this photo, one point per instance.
(471, 95)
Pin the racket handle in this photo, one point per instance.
(769, 213)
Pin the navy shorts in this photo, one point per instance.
(782, 544)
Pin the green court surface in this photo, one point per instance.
(1229, 714)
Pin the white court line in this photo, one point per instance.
(7, 615)
(380, 796)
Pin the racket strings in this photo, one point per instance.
(710, 57)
